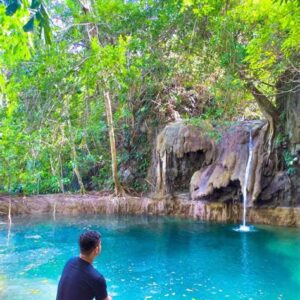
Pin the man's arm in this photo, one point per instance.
(100, 290)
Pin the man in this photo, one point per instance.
(80, 280)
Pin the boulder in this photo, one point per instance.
(227, 172)
(180, 150)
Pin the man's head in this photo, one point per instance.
(90, 244)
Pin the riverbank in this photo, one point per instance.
(99, 203)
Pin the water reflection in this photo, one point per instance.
(245, 254)
(9, 225)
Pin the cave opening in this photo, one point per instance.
(182, 169)
(232, 192)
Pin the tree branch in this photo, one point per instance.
(267, 107)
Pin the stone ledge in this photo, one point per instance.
(99, 204)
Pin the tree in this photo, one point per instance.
(37, 12)
(254, 42)
(109, 64)
(116, 71)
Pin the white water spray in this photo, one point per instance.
(54, 211)
(9, 213)
(9, 222)
(244, 227)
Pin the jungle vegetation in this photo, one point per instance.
(85, 85)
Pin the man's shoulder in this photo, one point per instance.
(84, 267)
(69, 265)
(72, 261)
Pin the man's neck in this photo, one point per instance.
(86, 258)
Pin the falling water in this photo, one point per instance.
(244, 227)
(9, 223)
(54, 211)
(9, 213)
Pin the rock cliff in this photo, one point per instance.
(185, 155)
(180, 150)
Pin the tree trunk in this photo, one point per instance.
(288, 102)
(91, 28)
(74, 159)
(56, 173)
(61, 175)
(267, 108)
(118, 187)
(73, 152)
(92, 32)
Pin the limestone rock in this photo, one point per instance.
(228, 169)
(180, 150)
(281, 182)
(96, 203)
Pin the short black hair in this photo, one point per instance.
(88, 241)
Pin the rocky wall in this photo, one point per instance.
(224, 178)
(178, 206)
(180, 151)
(186, 155)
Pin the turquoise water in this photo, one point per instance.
(154, 258)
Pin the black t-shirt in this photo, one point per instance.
(81, 281)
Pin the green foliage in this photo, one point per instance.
(38, 15)
(280, 138)
(289, 160)
(155, 58)
(13, 40)
(259, 38)
(206, 127)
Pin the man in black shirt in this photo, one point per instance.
(80, 280)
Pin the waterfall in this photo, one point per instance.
(244, 191)
(9, 223)
(54, 211)
(9, 212)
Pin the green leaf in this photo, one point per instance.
(12, 8)
(39, 17)
(46, 26)
(35, 4)
(29, 26)
(43, 20)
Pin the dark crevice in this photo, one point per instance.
(181, 170)
(232, 192)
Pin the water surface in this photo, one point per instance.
(153, 258)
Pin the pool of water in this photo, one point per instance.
(153, 258)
